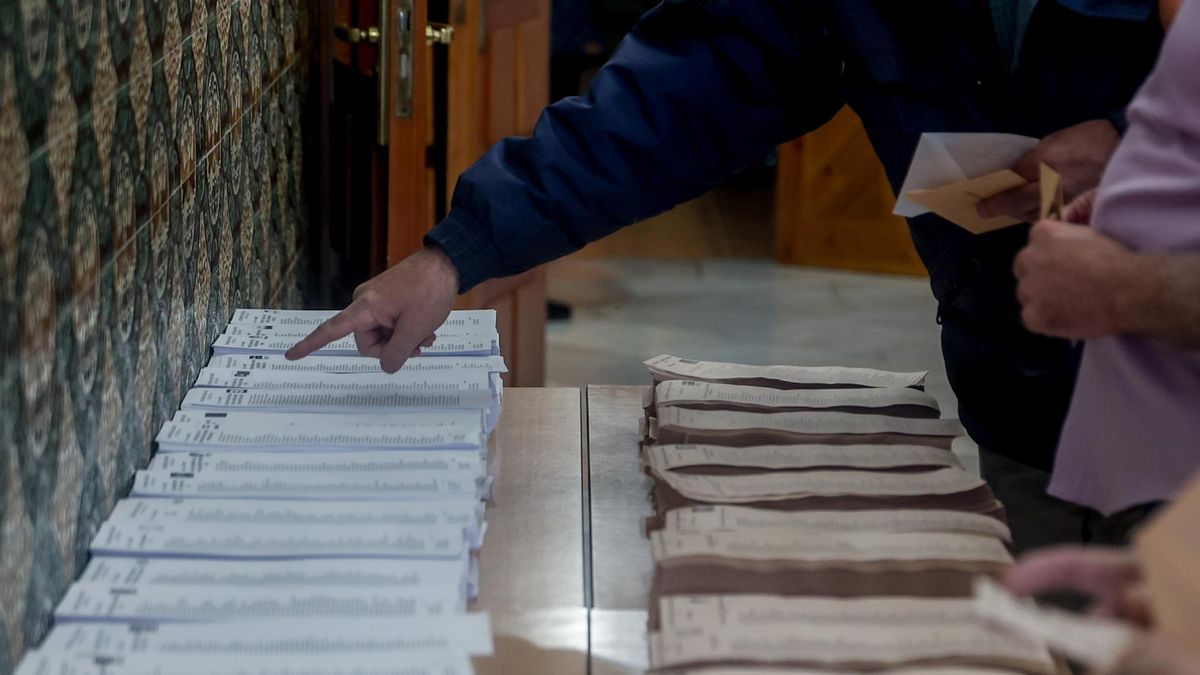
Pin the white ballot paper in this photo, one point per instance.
(459, 319)
(443, 389)
(1090, 640)
(347, 485)
(121, 572)
(101, 602)
(271, 541)
(389, 662)
(219, 514)
(293, 463)
(212, 432)
(267, 343)
(322, 403)
(945, 158)
(468, 633)
(356, 364)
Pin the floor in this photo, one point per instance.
(626, 310)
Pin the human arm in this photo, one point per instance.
(697, 91)
(1076, 283)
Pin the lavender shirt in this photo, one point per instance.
(1133, 432)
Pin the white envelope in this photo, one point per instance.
(944, 158)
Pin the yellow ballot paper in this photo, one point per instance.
(956, 202)
(1169, 550)
(1053, 204)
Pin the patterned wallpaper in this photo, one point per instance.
(152, 171)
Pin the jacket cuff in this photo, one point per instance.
(467, 247)
(1118, 120)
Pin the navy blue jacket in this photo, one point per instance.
(701, 88)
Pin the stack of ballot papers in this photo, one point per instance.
(817, 518)
(316, 516)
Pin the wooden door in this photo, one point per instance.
(833, 205)
(498, 84)
(375, 118)
(394, 156)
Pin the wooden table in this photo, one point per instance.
(565, 568)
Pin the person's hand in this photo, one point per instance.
(1112, 577)
(1155, 654)
(394, 314)
(1073, 282)
(1079, 211)
(1079, 153)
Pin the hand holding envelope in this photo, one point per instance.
(952, 172)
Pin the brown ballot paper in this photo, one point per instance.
(944, 489)
(864, 633)
(1053, 203)
(1169, 550)
(956, 202)
(894, 401)
(922, 564)
(735, 428)
(667, 367)
(919, 670)
(727, 518)
(721, 460)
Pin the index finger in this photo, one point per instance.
(335, 328)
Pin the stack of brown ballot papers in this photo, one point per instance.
(817, 518)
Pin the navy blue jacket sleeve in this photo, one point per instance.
(697, 91)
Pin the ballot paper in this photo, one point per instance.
(715, 459)
(666, 367)
(344, 485)
(1093, 641)
(868, 633)
(123, 572)
(944, 158)
(459, 319)
(921, 670)
(727, 518)
(219, 514)
(848, 490)
(248, 342)
(897, 401)
(446, 390)
(213, 432)
(727, 427)
(467, 633)
(253, 541)
(286, 464)
(849, 547)
(383, 662)
(785, 485)
(357, 364)
(101, 602)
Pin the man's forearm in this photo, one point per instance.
(1160, 298)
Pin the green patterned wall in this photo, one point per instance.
(152, 178)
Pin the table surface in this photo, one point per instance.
(565, 568)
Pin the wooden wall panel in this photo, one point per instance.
(833, 204)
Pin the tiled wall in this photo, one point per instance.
(152, 177)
